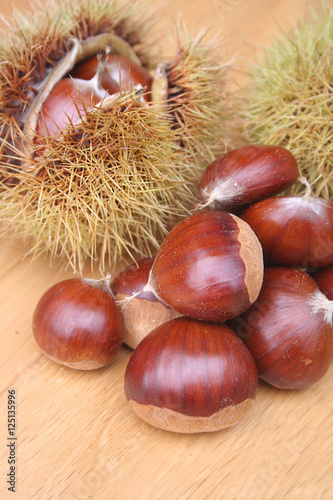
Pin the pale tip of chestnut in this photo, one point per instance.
(252, 255)
(142, 311)
(172, 421)
(141, 316)
(84, 365)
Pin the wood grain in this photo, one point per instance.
(77, 437)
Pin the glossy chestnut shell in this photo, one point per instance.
(78, 324)
(324, 279)
(209, 267)
(191, 376)
(246, 175)
(294, 231)
(67, 102)
(288, 330)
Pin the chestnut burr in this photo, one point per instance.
(190, 376)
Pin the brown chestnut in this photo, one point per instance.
(126, 73)
(246, 175)
(324, 279)
(288, 330)
(144, 312)
(70, 99)
(209, 267)
(294, 230)
(78, 324)
(191, 376)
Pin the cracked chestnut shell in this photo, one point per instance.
(190, 376)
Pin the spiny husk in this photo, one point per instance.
(198, 97)
(113, 184)
(290, 100)
(104, 186)
(34, 44)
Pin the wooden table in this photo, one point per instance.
(77, 438)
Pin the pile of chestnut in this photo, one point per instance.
(240, 290)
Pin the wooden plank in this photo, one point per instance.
(76, 436)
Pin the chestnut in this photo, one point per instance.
(288, 330)
(144, 312)
(209, 267)
(294, 230)
(77, 323)
(246, 175)
(191, 376)
(126, 73)
(324, 279)
(70, 99)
